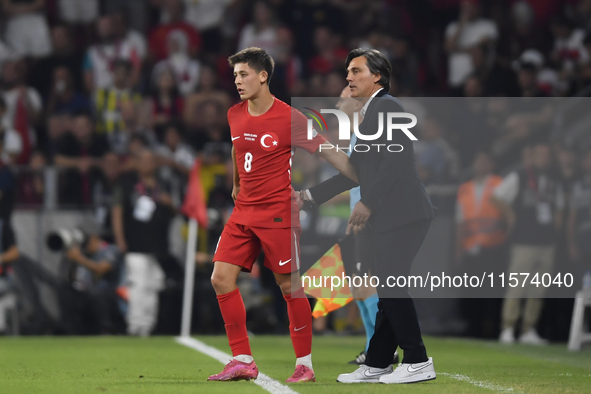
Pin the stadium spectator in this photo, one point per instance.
(102, 193)
(8, 249)
(569, 51)
(137, 12)
(82, 12)
(174, 154)
(303, 17)
(7, 190)
(209, 90)
(5, 53)
(91, 302)
(579, 217)
(469, 31)
(528, 119)
(532, 203)
(31, 184)
(141, 215)
(9, 253)
(288, 66)
(101, 57)
(523, 33)
(12, 143)
(206, 16)
(185, 69)
(23, 106)
(176, 159)
(64, 54)
(132, 37)
(262, 31)
(64, 98)
(26, 28)
(497, 79)
(435, 157)
(480, 239)
(132, 126)
(330, 54)
(108, 102)
(158, 41)
(405, 63)
(211, 129)
(79, 152)
(166, 102)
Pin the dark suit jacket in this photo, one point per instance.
(390, 184)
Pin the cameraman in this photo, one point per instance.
(94, 277)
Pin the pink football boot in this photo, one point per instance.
(302, 374)
(237, 370)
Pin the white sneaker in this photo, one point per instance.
(411, 373)
(507, 337)
(532, 338)
(364, 374)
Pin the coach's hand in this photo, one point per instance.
(360, 215)
(235, 191)
(352, 229)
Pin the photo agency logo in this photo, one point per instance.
(390, 119)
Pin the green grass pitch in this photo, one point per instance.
(160, 365)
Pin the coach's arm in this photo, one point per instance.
(345, 180)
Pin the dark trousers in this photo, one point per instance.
(478, 308)
(396, 322)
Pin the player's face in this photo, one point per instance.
(248, 81)
(361, 80)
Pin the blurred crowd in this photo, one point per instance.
(87, 84)
(120, 93)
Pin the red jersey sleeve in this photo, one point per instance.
(299, 133)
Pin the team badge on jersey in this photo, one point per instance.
(269, 141)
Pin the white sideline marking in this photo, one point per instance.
(267, 383)
(479, 383)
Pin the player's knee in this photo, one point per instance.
(220, 283)
(285, 287)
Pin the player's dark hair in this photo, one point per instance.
(256, 58)
(376, 62)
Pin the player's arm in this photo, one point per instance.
(236, 176)
(340, 161)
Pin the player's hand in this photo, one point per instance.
(235, 192)
(360, 215)
(299, 200)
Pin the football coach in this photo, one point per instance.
(394, 213)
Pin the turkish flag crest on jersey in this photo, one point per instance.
(269, 141)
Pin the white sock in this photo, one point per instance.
(306, 361)
(244, 358)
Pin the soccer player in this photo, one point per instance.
(266, 213)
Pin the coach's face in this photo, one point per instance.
(361, 81)
(248, 81)
(347, 104)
